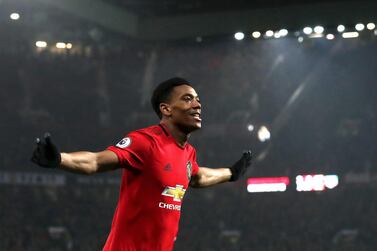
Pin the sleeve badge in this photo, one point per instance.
(125, 142)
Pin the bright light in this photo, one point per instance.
(350, 34)
(14, 16)
(319, 29)
(283, 32)
(277, 35)
(307, 30)
(239, 35)
(341, 28)
(60, 45)
(264, 134)
(359, 27)
(256, 34)
(269, 33)
(41, 44)
(316, 182)
(300, 39)
(330, 36)
(315, 35)
(250, 127)
(267, 184)
(260, 188)
(331, 181)
(69, 46)
(371, 26)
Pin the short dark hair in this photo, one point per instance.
(162, 92)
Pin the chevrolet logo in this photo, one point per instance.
(176, 192)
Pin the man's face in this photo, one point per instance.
(185, 108)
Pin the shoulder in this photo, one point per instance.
(153, 131)
(138, 140)
(190, 148)
(150, 133)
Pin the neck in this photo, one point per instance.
(179, 136)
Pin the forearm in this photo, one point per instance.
(208, 177)
(79, 162)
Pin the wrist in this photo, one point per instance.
(233, 174)
(64, 159)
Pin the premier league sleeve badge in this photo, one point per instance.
(125, 142)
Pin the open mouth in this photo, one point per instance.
(196, 115)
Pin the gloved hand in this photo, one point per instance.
(46, 154)
(239, 168)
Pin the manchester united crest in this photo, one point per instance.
(188, 169)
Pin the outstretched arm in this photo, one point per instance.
(89, 162)
(208, 176)
(46, 154)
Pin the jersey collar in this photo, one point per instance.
(165, 129)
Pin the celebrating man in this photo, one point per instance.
(158, 166)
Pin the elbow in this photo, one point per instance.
(89, 172)
(92, 168)
(197, 182)
(194, 185)
(89, 168)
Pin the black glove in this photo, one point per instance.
(46, 154)
(239, 168)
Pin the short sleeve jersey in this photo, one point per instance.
(156, 174)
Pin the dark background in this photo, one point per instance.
(318, 98)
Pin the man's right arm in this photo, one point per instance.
(89, 162)
(46, 154)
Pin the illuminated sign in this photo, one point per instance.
(316, 182)
(304, 183)
(267, 184)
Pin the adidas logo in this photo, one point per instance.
(167, 168)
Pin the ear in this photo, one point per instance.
(165, 109)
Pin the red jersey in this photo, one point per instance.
(156, 174)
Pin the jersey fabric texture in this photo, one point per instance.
(156, 174)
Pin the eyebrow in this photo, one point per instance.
(189, 94)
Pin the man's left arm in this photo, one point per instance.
(209, 176)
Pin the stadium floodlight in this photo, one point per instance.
(319, 29)
(263, 134)
(307, 30)
(256, 34)
(14, 16)
(68, 46)
(269, 33)
(371, 26)
(350, 34)
(330, 36)
(250, 127)
(315, 35)
(359, 27)
(41, 44)
(277, 34)
(341, 28)
(300, 39)
(239, 35)
(60, 45)
(283, 32)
